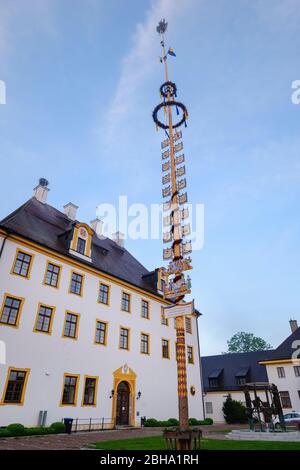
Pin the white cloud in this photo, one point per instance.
(138, 64)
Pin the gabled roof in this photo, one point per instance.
(285, 350)
(48, 227)
(232, 365)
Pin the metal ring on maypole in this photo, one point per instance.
(168, 89)
(169, 103)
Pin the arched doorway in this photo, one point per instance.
(123, 401)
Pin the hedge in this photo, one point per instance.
(172, 422)
(17, 429)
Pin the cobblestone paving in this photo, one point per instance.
(76, 441)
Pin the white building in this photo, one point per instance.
(82, 324)
(227, 374)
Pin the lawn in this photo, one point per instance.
(158, 443)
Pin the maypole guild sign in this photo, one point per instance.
(179, 310)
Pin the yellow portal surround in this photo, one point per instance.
(125, 374)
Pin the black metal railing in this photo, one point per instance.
(92, 424)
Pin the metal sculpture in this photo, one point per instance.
(263, 412)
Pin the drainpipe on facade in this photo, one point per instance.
(3, 244)
(200, 369)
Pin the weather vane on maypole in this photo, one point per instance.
(169, 115)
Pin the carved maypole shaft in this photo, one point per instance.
(175, 285)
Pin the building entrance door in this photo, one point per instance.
(123, 396)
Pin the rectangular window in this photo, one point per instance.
(104, 294)
(52, 275)
(240, 380)
(190, 354)
(285, 400)
(81, 246)
(214, 383)
(299, 394)
(76, 283)
(281, 372)
(297, 371)
(22, 264)
(69, 396)
(125, 302)
(15, 386)
(11, 310)
(209, 407)
(145, 343)
(44, 319)
(188, 324)
(145, 309)
(164, 321)
(101, 332)
(124, 338)
(165, 348)
(71, 325)
(90, 390)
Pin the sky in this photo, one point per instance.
(82, 78)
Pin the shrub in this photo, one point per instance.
(193, 422)
(151, 423)
(36, 431)
(208, 421)
(16, 429)
(234, 411)
(172, 422)
(58, 427)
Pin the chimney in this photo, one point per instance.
(97, 226)
(293, 325)
(40, 192)
(118, 238)
(70, 210)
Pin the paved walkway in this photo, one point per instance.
(78, 440)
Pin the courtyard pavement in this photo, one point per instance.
(80, 440)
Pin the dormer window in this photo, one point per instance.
(81, 245)
(81, 241)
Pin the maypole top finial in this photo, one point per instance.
(161, 28)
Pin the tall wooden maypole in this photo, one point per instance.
(170, 115)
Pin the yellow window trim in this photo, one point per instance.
(108, 294)
(192, 349)
(168, 342)
(66, 374)
(17, 369)
(77, 325)
(79, 265)
(128, 341)
(96, 390)
(32, 255)
(106, 332)
(148, 335)
(128, 293)
(22, 300)
(74, 241)
(59, 273)
(82, 283)
(145, 300)
(49, 332)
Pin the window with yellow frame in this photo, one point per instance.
(70, 390)
(15, 387)
(89, 397)
(22, 264)
(11, 310)
(71, 325)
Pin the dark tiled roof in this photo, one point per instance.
(231, 366)
(285, 350)
(45, 225)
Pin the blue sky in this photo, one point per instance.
(82, 78)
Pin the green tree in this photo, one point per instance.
(234, 411)
(246, 342)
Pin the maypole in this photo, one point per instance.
(175, 286)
